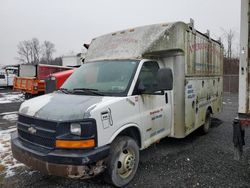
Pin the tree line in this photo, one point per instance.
(34, 52)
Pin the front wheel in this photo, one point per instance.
(122, 161)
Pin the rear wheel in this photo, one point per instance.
(207, 124)
(27, 96)
(123, 161)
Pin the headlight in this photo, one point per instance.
(75, 128)
(81, 135)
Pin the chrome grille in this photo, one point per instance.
(37, 131)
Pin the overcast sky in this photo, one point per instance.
(70, 23)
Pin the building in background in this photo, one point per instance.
(73, 60)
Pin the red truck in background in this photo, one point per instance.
(56, 80)
(31, 78)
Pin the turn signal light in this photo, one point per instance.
(75, 144)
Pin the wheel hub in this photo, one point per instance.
(129, 162)
(126, 163)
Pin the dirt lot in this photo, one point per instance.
(196, 161)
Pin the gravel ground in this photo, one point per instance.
(195, 161)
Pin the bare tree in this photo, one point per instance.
(35, 50)
(230, 36)
(23, 50)
(48, 50)
(29, 51)
(229, 39)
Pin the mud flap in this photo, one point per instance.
(238, 139)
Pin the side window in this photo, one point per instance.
(15, 71)
(147, 76)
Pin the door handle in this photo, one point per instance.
(166, 98)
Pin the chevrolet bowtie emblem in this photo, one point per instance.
(32, 130)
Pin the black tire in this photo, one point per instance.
(27, 96)
(122, 162)
(205, 128)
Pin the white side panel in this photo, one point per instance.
(200, 94)
(70, 61)
(27, 71)
(3, 82)
(121, 112)
(3, 78)
(10, 78)
(243, 74)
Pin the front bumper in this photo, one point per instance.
(67, 163)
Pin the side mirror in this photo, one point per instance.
(164, 79)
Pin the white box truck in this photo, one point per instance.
(136, 87)
(7, 75)
(243, 119)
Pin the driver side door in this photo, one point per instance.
(155, 107)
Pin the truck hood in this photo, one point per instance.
(61, 107)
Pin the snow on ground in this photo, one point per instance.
(10, 117)
(7, 162)
(11, 97)
(7, 113)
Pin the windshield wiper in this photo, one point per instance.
(64, 90)
(89, 91)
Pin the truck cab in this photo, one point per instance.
(100, 102)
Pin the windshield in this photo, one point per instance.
(105, 77)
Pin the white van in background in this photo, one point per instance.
(7, 75)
